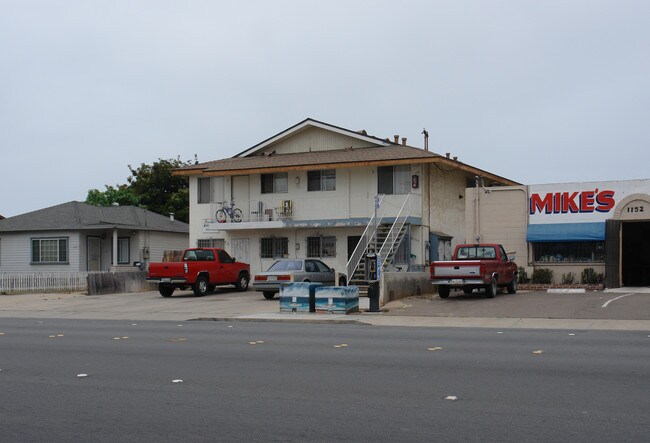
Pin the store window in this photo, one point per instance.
(275, 183)
(321, 246)
(394, 179)
(569, 252)
(271, 247)
(324, 180)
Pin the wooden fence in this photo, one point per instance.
(90, 282)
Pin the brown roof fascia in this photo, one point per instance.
(452, 164)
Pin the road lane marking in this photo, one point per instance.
(614, 299)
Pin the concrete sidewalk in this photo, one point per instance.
(229, 305)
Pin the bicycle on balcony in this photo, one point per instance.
(225, 212)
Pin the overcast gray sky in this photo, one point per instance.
(536, 91)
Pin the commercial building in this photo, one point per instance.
(570, 227)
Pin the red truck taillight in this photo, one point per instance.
(185, 268)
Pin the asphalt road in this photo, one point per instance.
(309, 382)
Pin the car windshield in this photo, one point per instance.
(286, 265)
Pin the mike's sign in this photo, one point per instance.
(574, 202)
(580, 202)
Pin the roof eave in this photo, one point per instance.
(358, 164)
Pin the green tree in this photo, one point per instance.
(121, 194)
(152, 187)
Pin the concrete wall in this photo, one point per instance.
(396, 285)
(502, 218)
(447, 203)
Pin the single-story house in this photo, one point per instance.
(77, 237)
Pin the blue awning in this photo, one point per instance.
(566, 232)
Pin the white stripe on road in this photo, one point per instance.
(614, 299)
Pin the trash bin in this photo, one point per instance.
(373, 296)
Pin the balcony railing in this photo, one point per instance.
(278, 211)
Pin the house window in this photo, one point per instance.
(275, 183)
(49, 250)
(205, 190)
(210, 243)
(321, 180)
(321, 246)
(569, 252)
(394, 179)
(123, 250)
(271, 247)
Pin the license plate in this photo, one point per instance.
(272, 278)
(165, 280)
(456, 281)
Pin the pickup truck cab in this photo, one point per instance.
(202, 269)
(482, 266)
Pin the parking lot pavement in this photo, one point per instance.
(183, 305)
(619, 305)
(526, 309)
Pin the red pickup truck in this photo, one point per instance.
(202, 269)
(475, 266)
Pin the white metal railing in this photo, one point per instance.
(395, 231)
(367, 238)
(42, 281)
(276, 208)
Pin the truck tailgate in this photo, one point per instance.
(456, 269)
(166, 269)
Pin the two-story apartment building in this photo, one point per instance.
(319, 190)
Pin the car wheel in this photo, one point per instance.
(492, 288)
(242, 282)
(268, 295)
(512, 286)
(200, 287)
(443, 291)
(166, 291)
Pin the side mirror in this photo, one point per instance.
(511, 258)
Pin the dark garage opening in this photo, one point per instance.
(636, 253)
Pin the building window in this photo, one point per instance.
(49, 250)
(205, 190)
(210, 243)
(275, 183)
(321, 180)
(394, 179)
(272, 247)
(321, 246)
(569, 252)
(402, 254)
(123, 250)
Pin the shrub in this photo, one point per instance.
(569, 278)
(589, 277)
(542, 276)
(522, 276)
